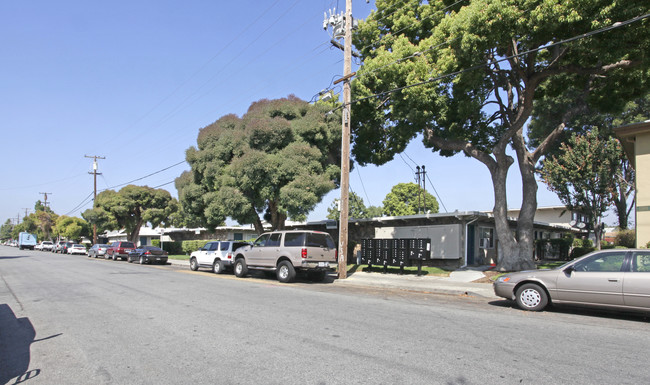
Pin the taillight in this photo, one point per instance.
(303, 253)
(229, 256)
(336, 255)
(148, 253)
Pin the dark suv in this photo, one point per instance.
(288, 252)
(119, 250)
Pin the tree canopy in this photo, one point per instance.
(71, 228)
(409, 199)
(278, 160)
(465, 77)
(131, 208)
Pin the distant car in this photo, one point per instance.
(39, 246)
(119, 250)
(217, 255)
(65, 247)
(97, 250)
(46, 246)
(617, 278)
(76, 248)
(148, 254)
(58, 246)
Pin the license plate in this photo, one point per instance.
(323, 264)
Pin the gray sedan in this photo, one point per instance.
(618, 278)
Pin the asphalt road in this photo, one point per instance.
(74, 320)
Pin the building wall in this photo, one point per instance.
(642, 152)
(445, 239)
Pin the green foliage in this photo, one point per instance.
(131, 208)
(170, 247)
(278, 160)
(584, 174)
(404, 198)
(625, 238)
(356, 209)
(464, 76)
(5, 230)
(193, 245)
(71, 228)
(580, 251)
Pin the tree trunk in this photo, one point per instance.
(525, 228)
(133, 237)
(277, 218)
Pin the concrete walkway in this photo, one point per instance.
(459, 282)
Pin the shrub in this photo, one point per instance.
(626, 238)
(647, 245)
(170, 247)
(189, 246)
(580, 251)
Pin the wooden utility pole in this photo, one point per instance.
(45, 198)
(345, 143)
(95, 173)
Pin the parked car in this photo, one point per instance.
(58, 245)
(148, 254)
(119, 250)
(217, 255)
(617, 278)
(46, 246)
(97, 250)
(76, 248)
(288, 252)
(65, 247)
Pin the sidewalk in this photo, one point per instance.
(459, 282)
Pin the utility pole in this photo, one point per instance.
(420, 177)
(342, 28)
(95, 173)
(26, 210)
(45, 198)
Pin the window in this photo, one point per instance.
(486, 237)
(225, 246)
(294, 239)
(641, 262)
(238, 236)
(274, 240)
(214, 246)
(261, 241)
(320, 240)
(607, 262)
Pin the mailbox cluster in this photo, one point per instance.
(395, 252)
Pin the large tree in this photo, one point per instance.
(131, 208)
(275, 162)
(584, 175)
(464, 75)
(6, 230)
(409, 199)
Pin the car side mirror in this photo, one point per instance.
(569, 270)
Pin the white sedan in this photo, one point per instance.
(77, 249)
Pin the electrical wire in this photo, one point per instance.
(146, 176)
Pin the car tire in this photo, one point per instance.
(531, 297)
(285, 272)
(142, 261)
(194, 265)
(217, 266)
(114, 257)
(240, 268)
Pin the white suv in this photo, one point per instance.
(289, 252)
(217, 255)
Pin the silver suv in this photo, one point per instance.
(288, 252)
(215, 255)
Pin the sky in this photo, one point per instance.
(134, 81)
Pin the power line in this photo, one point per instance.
(146, 176)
